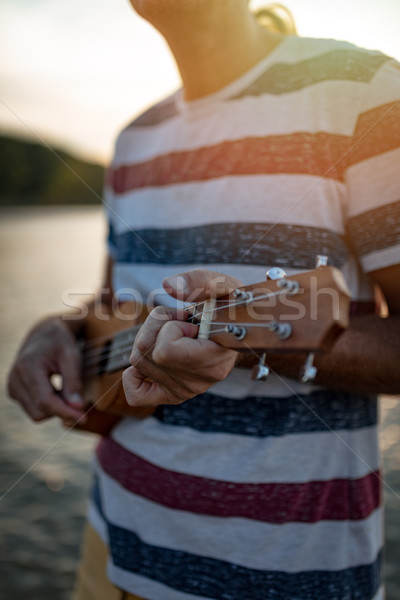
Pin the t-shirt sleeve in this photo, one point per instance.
(373, 173)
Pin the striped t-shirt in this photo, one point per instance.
(270, 490)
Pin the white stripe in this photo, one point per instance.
(374, 182)
(251, 117)
(308, 200)
(381, 259)
(245, 459)
(243, 541)
(143, 281)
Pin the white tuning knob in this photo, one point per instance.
(309, 371)
(322, 261)
(260, 372)
(275, 273)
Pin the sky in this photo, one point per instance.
(73, 72)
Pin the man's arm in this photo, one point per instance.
(366, 357)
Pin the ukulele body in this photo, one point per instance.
(103, 392)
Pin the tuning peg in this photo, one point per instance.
(275, 273)
(322, 261)
(260, 372)
(309, 370)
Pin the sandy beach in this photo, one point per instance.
(45, 474)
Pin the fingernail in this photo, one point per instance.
(177, 283)
(75, 398)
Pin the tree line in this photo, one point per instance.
(32, 174)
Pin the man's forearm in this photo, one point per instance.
(365, 358)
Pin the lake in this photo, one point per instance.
(45, 473)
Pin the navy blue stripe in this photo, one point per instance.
(342, 65)
(221, 580)
(294, 246)
(261, 417)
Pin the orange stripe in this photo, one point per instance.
(377, 131)
(319, 154)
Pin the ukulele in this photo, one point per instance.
(302, 313)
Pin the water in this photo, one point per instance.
(45, 472)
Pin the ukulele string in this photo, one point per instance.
(240, 302)
(91, 348)
(98, 356)
(106, 353)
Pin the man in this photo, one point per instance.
(277, 149)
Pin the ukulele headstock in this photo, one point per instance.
(305, 312)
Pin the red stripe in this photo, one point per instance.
(337, 499)
(317, 154)
(377, 131)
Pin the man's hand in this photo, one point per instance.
(169, 365)
(50, 348)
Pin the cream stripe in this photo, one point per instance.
(281, 459)
(381, 259)
(385, 87)
(308, 201)
(378, 178)
(145, 280)
(142, 279)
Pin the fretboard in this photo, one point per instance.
(120, 349)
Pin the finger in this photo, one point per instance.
(140, 391)
(200, 284)
(36, 395)
(176, 346)
(55, 406)
(47, 405)
(44, 398)
(146, 338)
(69, 423)
(24, 399)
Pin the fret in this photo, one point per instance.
(120, 350)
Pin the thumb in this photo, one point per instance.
(199, 284)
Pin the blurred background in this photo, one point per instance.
(72, 73)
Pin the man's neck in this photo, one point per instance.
(212, 49)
